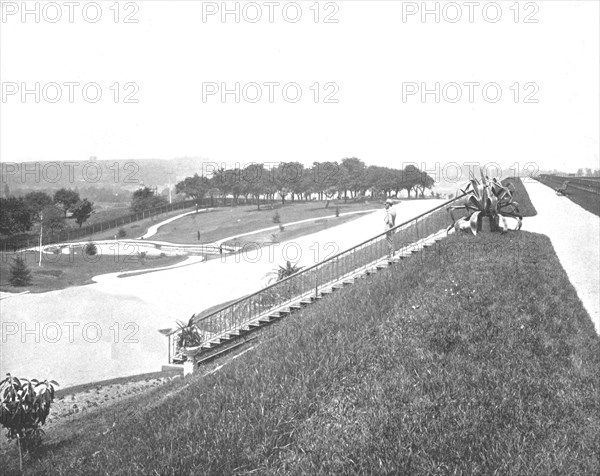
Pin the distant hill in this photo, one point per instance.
(110, 174)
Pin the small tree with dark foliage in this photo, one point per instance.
(24, 407)
(19, 272)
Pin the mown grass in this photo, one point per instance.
(221, 223)
(62, 271)
(521, 196)
(475, 358)
(587, 200)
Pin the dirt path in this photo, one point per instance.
(575, 235)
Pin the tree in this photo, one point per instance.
(424, 181)
(66, 199)
(36, 201)
(15, 216)
(19, 272)
(410, 178)
(53, 219)
(353, 176)
(82, 211)
(145, 199)
(194, 187)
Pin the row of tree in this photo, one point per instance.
(350, 178)
(18, 215)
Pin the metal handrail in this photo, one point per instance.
(299, 276)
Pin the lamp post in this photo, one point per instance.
(41, 231)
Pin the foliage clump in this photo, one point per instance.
(20, 275)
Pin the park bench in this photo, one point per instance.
(562, 190)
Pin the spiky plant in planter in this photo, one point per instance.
(486, 199)
(190, 338)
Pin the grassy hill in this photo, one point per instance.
(475, 358)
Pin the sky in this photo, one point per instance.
(517, 83)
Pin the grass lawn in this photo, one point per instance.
(587, 200)
(224, 222)
(521, 196)
(63, 271)
(475, 358)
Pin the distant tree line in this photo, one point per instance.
(348, 179)
(19, 214)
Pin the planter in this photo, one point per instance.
(191, 352)
(189, 365)
(487, 224)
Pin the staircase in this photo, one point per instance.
(221, 343)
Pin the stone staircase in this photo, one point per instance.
(223, 343)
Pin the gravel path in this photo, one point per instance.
(110, 329)
(575, 235)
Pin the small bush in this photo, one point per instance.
(19, 272)
(122, 233)
(276, 218)
(337, 211)
(90, 249)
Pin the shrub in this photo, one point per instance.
(337, 211)
(276, 218)
(122, 233)
(24, 407)
(19, 272)
(90, 249)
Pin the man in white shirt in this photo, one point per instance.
(390, 222)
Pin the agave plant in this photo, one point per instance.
(24, 407)
(282, 272)
(189, 335)
(488, 198)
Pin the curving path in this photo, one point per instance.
(575, 235)
(110, 329)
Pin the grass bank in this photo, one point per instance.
(63, 271)
(475, 358)
(586, 199)
(526, 208)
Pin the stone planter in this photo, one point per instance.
(189, 365)
(487, 224)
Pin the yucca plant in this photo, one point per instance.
(190, 335)
(488, 198)
(24, 407)
(281, 272)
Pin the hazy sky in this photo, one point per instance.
(375, 52)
